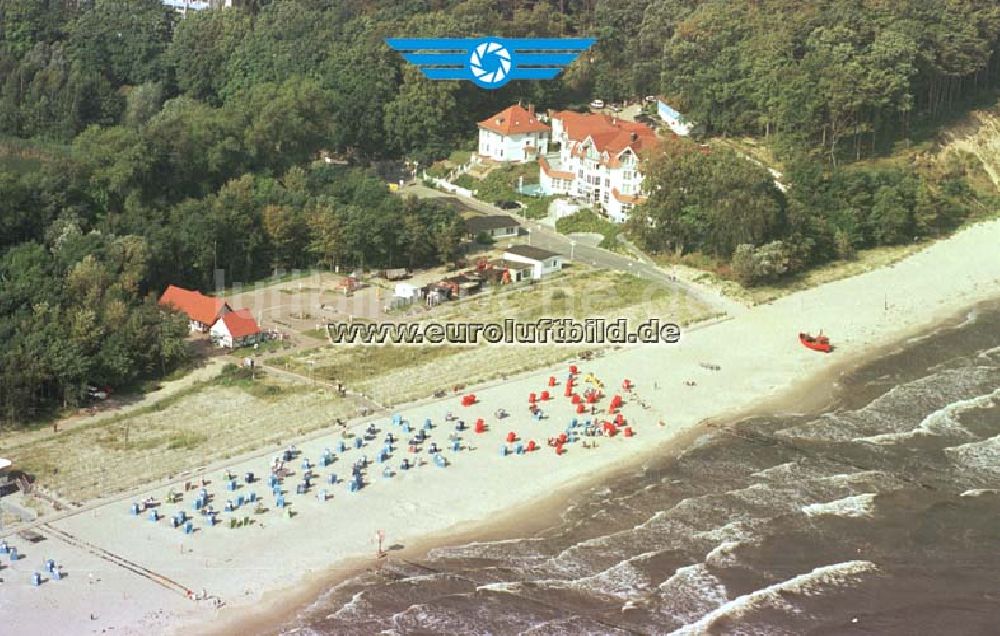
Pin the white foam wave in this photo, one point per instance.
(723, 555)
(856, 506)
(942, 421)
(691, 592)
(622, 580)
(808, 584)
(983, 455)
(502, 586)
(975, 492)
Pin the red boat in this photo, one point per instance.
(817, 343)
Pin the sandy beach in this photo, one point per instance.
(133, 575)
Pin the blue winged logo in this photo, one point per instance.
(490, 62)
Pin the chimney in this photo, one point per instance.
(531, 109)
(635, 137)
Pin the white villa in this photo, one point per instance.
(514, 134)
(597, 161)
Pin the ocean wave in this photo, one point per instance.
(856, 506)
(723, 555)
(808, 584)
(982, 456)
(976, 492)
(943, 421)
(690, 593)
(486, 549)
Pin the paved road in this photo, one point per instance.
(547, 238)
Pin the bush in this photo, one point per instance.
(587, 220)
(752, 266)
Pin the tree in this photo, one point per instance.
(326, 234)
(419, 119)
(707, 202)
(287, 232)
(124, 41)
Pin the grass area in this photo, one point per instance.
(213, 420)
(268, 346)
(460, 157)
(315, 334)
(704, 271)
(396, 374)
(589, 221)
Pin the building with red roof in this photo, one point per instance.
(202, 311)
(236, 329)
(598, 161)
(513, 134)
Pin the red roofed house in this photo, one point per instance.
(236, 329)
(202, 311)
(513, 134)
(598, 161)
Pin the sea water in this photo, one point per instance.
(879, 515)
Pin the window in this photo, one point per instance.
(607, 182)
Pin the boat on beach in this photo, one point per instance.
(816, 343)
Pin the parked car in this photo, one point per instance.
(650, 99)
(597, 103)
(616, 108)
(98, 393)
(507, 204)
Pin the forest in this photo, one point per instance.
(165, 148)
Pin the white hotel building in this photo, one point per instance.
(597, 162)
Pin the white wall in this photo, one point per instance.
(221, 336)
(673, 119)
(538, 268)
(626, 178)
(511, 148)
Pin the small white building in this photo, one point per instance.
(407, 291)
(542, 262)
(236, 329)
(672, 118)
(514, 134)
(495, 226)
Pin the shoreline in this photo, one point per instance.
(267, 574)
(813, 396)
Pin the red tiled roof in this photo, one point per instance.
(196, 305)
(609, 134)
(240, 323)
(514, 120)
